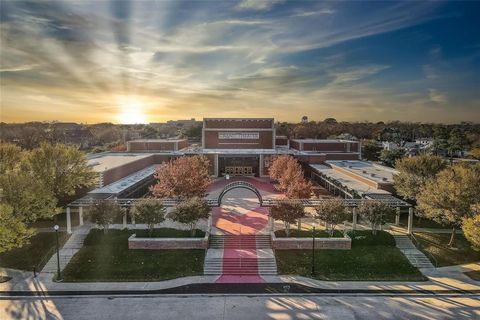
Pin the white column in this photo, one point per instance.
(271, 224)
(397, 217)
(215, 165)
(209, 227)
(260, 165)
(69, 221)
(80, 215)
(410, 220)
(299, 224)
(133, 218)
(354, 222)
(125, 219)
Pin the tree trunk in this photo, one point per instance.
(451, 243)
(287, 229)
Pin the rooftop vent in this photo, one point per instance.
(384, 179)
(372, 174)
(364, 171)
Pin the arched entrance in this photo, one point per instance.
(243, 185)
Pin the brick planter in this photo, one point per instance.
(306, 243)
(167, 243)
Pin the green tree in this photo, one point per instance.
(28, 197)
(451, 197)
(10, 157)
(471, 230)
(149, 211)
(371, 150)
(288, 213)
(63, 169)
(14, 232)
(390, 157)
(376, 213)
(414, 172)
(104, 212)
(332, 212)
(456, 141)
(190, 211)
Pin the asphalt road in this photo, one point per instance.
(243, 307)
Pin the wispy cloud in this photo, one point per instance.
(257, 5)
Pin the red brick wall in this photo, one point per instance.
(294, 145)
(239, 123)
(343, 156)
(167, 243)
(117, 173)
(281, 141)
(182, 144)
(265, 141)
(140, 146)
(311, 159)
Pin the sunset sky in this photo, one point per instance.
(150, 61)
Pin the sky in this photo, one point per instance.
(151, 61)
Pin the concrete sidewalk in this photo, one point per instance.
(442, 279)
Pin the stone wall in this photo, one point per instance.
(167, 243)
(306, 243)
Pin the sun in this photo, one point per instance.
(131, 111)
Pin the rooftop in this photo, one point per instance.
(367, 170)
(347, 181)
(105, 161)
(322, 140)
(157, 140)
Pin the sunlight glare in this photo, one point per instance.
(131, 111)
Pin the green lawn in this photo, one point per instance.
(371, 258)
(106, 257)
(436, 245)
(295, 233)
(33, 254)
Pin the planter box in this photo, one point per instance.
(167, 243)
(306, 243)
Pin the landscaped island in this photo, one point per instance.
(372, 257)
(106, 257)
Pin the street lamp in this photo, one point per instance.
(56, 227)
(314, 224)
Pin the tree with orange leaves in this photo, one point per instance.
(289, 175)
(183, 178)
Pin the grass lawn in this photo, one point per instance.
(436, 245)
(371, 258)
(475, 275)
(32, 254)
(106, 257)
(295, 233)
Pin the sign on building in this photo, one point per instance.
(238, 135)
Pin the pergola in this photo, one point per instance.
(216, 202)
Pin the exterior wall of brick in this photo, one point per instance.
(182, 144)
(265, 141)
(238, 123)
(167, 243)
(306, 243)
(294, 145)
(312, 159)
(281, 141)
(342, 156)
(155, 146)
(117, 173)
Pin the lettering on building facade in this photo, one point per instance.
(238, 135)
